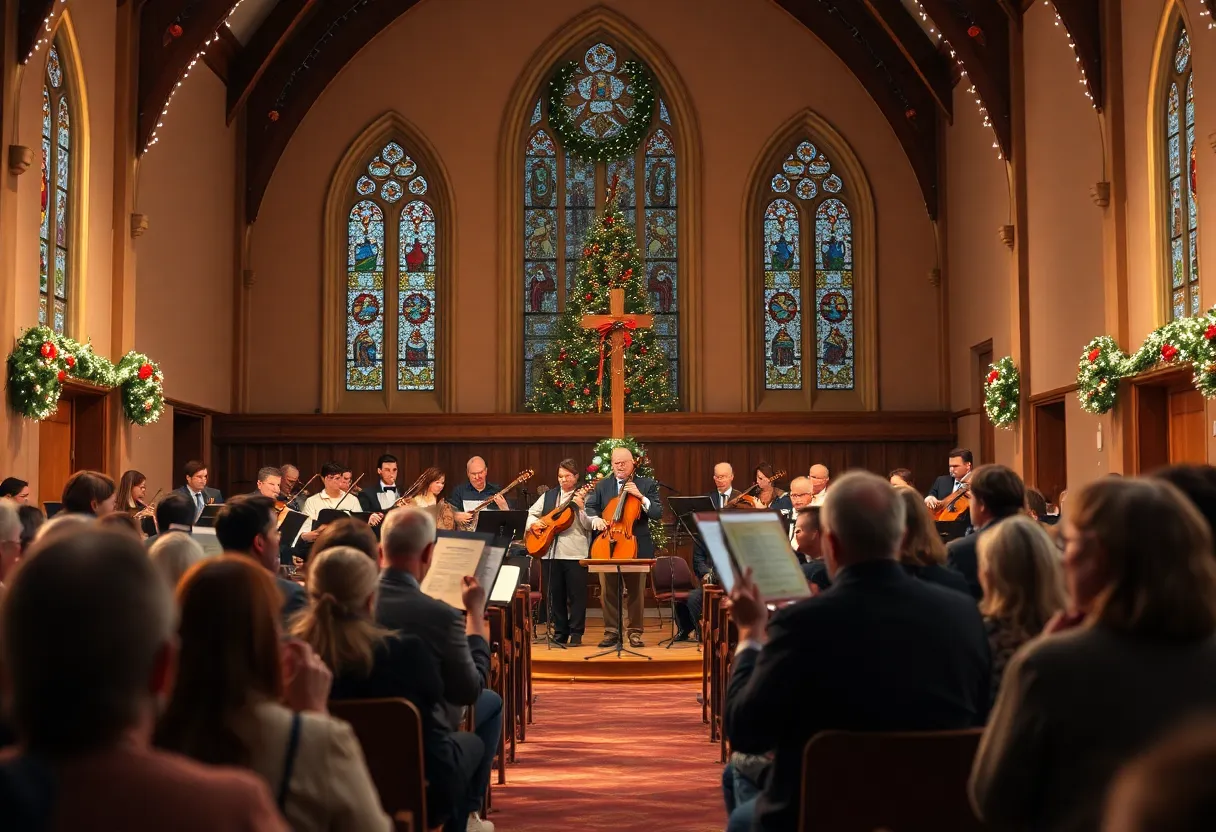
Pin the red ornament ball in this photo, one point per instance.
(642, 350)
(62, 375)
(175, 30)
(626, 391)
(586, 252)
(273, 115)
(145, 372)
(70, 361)
(587, 296)
(608, 220)
(48, 350)
(910, 113)
(1210, 332)
(586, 391)
(1168, 352)
(572, 402)
(974, 31)
(993, 376)
(1093, 355)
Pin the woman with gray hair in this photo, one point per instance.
(173, 554)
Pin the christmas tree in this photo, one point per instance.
(573, 373)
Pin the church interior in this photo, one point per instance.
(315, 234)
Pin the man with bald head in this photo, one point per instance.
(795, 500)
(477, 490)
(879, 651)
(688, 612)
(819, 484)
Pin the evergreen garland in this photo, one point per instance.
(589, 148)
(1002, 389)
(601, 466)
(1183, 341)
(42, 361)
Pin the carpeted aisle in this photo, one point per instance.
(613, 756)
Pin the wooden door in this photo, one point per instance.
(188, 444)
(1187, 442)
(987, 451)
(55, 463)
(1050, 450)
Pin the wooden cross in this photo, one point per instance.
(616, 306)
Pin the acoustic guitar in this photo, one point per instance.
(541, 534)
(958, 504)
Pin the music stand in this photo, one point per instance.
(620, 566)
(51, 508)
(503, 525)
(207, 517)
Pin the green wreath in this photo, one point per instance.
(601, 466)
(624, 143)
(43, 360)
(1181, 341)
(1002, 388)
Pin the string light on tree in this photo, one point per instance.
(1073, 46)
(47, 31)
(160, 121)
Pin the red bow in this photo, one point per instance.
(605, 329)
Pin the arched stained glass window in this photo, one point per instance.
(563, 194)
(807, 194)
(376, 338)
(55, 230)
(1179, 129)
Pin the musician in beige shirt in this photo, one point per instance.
(331, 496)
(564, 579)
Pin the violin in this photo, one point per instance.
(746, 500)
(409, 494)
(957, 505)
(540, 534)
(280, 505)
(617, 542)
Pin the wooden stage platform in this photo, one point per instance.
(681, 662)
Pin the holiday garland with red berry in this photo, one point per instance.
(1182, 341)
(573, 372)
(601, 466)
(42, 361)
(1002, 387)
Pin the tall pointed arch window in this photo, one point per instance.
(1178, 125)
(391, 299)
(807, 257)
(562, 195)
(55, 231)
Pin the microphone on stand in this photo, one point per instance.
(668, 487)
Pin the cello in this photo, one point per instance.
(540, 534)
(958, 504)
(617, 542)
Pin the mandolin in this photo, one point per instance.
(523, 477)
(746, 500)
(540, 535)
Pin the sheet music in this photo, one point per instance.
(205, 537)
(504, 587)
(469, 505)
(758, 542)
(453, 559)
(488, 568)
(715, 544)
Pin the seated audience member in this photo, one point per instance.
(15, 491)
(10, 542)
(808, 547)
(1023, 588)
(901, 476)
(1198, 483)
(63, 522)
(32, 519)
(173, 554)
(348, 532)
(372, 662)
(407, 540)
(246, 526)
(1074, 707)
(173, 513)
(89, 492)
(1171, 788)
(922, 553)
(1036, 504)
(997, 492)
(226, 706)
(880, 651)
(85, 724)
(121, 522)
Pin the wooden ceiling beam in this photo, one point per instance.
(30, 14)
(921, 53)
(264, 46)
(1083, 19)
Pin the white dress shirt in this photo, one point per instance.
(818, 499)
(314, 504)
(387, 495)
(573, 542)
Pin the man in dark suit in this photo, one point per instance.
(376, 499)
(688, 613)
(461, 642)
(960, 461)
(646, 490)
(196, 487)
(247, 526)
(997, 492)
(879, 651)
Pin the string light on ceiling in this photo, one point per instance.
(176, 32)
(1073, 46)
(974, 32)
(1207, 13)
(46, 33)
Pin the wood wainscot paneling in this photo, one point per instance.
(682, 447)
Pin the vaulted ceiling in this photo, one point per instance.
(279, 55)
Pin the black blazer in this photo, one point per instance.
(940, 575)
(701, 563)
(879, 651)
(209, 494)
(404, 668)
(597, 501)
(942, 488)
(369, 498)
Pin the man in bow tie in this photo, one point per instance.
(376, 500)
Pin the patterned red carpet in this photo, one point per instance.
(613, 756)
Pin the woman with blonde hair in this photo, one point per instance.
(430, 495)
(242, 697)
(371, 662)
(1019, 569)
(1134, 657)
(922, 553)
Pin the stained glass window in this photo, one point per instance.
(375, 337)
(806, 192)
(1179, 129)
(55, 229)
(562, 196)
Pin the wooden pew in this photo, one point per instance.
(859, 782)
(390, 732)
(728, 640)
(500, 678)
(713, 596)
